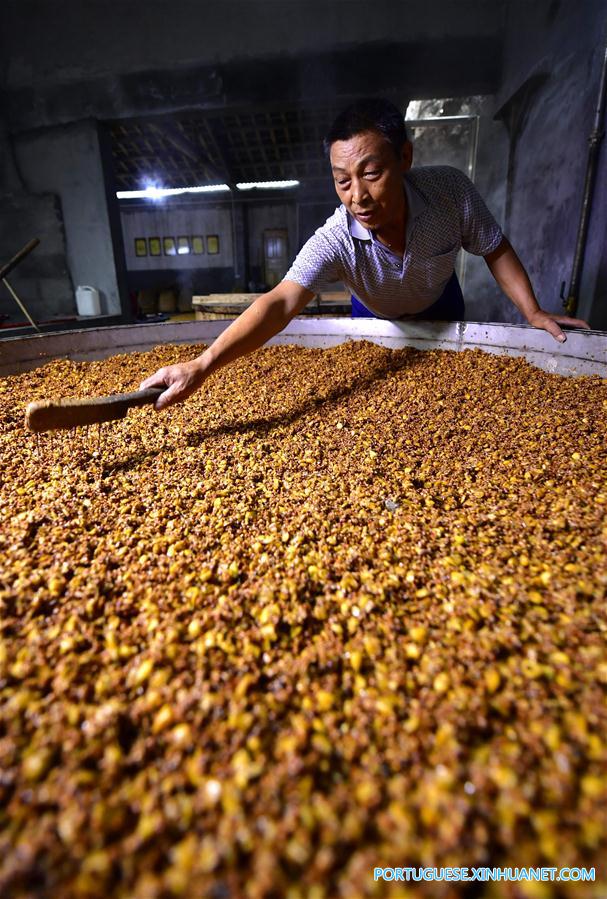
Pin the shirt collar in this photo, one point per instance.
(416, 204)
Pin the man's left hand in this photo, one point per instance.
(549, 322)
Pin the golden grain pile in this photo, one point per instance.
(343, 609)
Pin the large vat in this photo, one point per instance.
(584, 352)
(277, 639)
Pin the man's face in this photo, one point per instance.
(368, 179)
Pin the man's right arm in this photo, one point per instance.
(266, 317)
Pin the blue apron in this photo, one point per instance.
(449, 307)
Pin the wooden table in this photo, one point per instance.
(228, 305)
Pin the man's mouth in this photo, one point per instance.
(364, 216)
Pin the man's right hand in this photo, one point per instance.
(181, 380)
(264, 318)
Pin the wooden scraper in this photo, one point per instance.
(53, 415)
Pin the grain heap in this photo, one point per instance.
(343, 609)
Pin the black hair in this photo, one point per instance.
(369, 114)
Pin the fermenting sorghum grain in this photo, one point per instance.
(342, 609)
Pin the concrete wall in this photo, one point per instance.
(594, 281)
(66, 162)
(42, 279)
(552, 57)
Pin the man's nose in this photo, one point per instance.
(359, 192)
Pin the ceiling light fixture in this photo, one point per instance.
(158, 193)
(262, 185)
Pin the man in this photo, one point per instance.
(393, 242)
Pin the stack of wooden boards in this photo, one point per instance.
(228, 305)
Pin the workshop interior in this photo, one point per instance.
(334, 626)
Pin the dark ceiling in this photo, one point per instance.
(221, 146)
(264, 119)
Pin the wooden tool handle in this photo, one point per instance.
(130, 400)
(7, 269)
(53, 415)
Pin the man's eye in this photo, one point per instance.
(371, 174)
(343, 183)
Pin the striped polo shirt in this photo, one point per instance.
(445, 213)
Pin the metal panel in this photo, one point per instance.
(584, 353)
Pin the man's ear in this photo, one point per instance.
(407, 156)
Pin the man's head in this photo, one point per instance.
(370, 153)
(370, 114)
